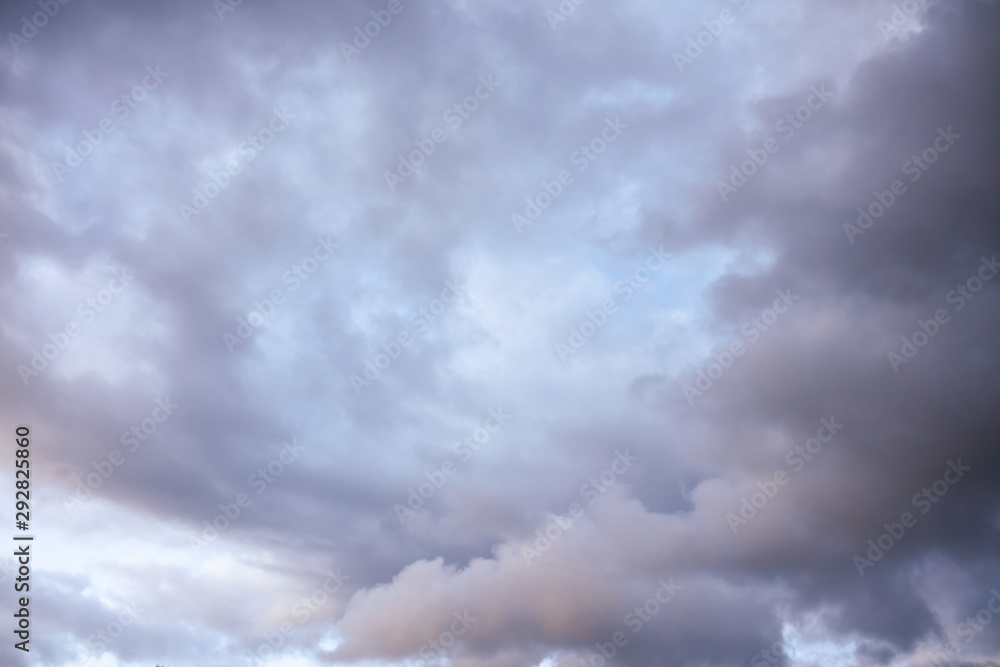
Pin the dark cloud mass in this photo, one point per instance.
(503, 334)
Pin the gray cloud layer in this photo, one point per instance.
(331, 472)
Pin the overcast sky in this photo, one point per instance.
(503, 333)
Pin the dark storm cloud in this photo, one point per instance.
(365, 448)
